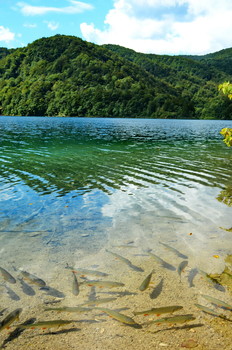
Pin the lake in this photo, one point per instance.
(76, 191)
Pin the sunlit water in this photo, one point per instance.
(71, 187)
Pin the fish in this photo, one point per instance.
(175, 251)
(33, 279)
(145, 284)
(226, 229)
(75, 285)
(159, 310)
(118, 316)
(99, 301)
(46, 324)
(10, 318)
(7, 276)
(217, 302)
(211, 312)
(13, 335)
(162, 262)
(174, 319)
(81, 271)
(103, 284)
(125, 261)
(212, 281)
(181, 267)
(68, 309)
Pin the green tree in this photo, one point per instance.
(226, 88)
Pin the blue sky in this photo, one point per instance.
(154, 26)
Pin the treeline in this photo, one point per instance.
(66, 76)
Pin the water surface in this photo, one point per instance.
(71, 187)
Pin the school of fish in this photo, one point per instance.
(80, 279)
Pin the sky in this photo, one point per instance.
(172, 27)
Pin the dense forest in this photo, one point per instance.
(66, 76)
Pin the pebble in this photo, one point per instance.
(163, 344)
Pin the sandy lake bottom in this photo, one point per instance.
(93, 329)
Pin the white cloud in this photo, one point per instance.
(30, 25)
(73, 8)
(6, 35)
(52, 25)
(173, 27)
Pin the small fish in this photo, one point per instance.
(226, 229)
(99, 301)
(68, 309)
(217, 302)
(124, 246)
(33, 279)
(175, 251)
(207, 277)
(7, 276)
(75, 285)
(10, 318)
(125, 261)
(46, 324)
(181, 267)
(162, 262)
(212, 281)
(145, 284)
(81, 271)
(159, 310)
(211, 311)
(103, 284)
(118, 316)
(175, 319)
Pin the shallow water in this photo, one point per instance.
(70, 188)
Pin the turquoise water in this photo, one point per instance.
(49, 166)
(61, 175)
(73, 189)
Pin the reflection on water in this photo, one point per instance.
(73, 190)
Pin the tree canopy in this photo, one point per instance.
(66, 76)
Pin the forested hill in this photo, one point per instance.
(66, 76)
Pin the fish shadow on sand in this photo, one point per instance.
(2, 311)
(52, 292)
(28, 290)
(16, 332)
(192, 274)
(11, 293)
(136, 325)
(157, 290)
(168, 266)
(135, 268)
(179, 328)
(62, 331)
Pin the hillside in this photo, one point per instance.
(66, 76)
